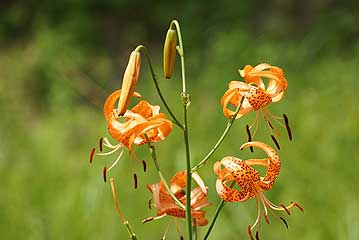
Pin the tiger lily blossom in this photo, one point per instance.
(251, 184)
(165, 204)
(257, 96)
(130, 129)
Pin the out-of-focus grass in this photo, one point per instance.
(51, 97)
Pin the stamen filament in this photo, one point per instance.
(116, 161)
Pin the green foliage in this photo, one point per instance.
(59, 61)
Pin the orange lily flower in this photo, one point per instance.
(257, 96)
(165, 205)
(130, 129)
(250, 182)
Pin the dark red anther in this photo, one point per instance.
(286, 209)
(249, 136)
(298, 206)
(144, 164)
(135, 180)
(266, 218)
(275, 141)
(149, 203)
(270, 124)
(104, 171)
(100, 142)
(257, 235)
(284, 221)
(286, 121)
(250, 232)
(147, 219)
(92, 154)
(181, 238)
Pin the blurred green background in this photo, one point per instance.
(60, 59)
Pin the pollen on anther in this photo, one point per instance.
(250, 232)
(147, 220)
(286, 209)
(100, 142)
(275, 141)
(144, 164)
(286, 121)
(135, 180)
(149, 204)
(284, 221)
(266, 218)
(298, 206)
(92, 154)
(104, 171)
(249, 136)
(257, 235)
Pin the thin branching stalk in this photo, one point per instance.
(154, 158)
(220, 140)
(218, 209)
(155, 80)
(185, 101)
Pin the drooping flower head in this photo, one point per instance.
(238, 172)
(257, 96)
(165, 204)
(131, 128)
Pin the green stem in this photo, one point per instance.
(220, 140)
(181, 52)
(130, 231)
(185, 101)
(188, 177)
(219, 208)
(154, 77)
(154, 158)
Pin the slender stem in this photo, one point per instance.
(181, 52)
(130, 231)
(220, 140)
(185, 101)
(155, 78)
(194, 229)
(188, 177)
(125, 222)
(154, 158)
(219, 208)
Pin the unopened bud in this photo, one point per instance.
(129, 81)
(169, 53)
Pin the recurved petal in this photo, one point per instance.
(200, 182)
(232, 97)
(178, 181)
(109, 106)
(229, 194)
(198, 199)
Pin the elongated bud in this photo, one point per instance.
(169, 53)
(129, 81)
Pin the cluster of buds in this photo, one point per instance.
(145, 124)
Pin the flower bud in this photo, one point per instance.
(169, 53)
(129, 81)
